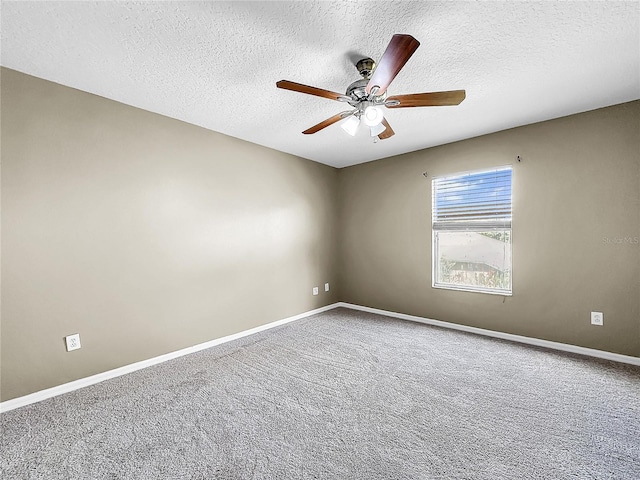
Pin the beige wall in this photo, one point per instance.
(144, 234)
(577, 186)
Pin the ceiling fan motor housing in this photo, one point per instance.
(357, 90)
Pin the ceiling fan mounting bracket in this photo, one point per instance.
(365, 67)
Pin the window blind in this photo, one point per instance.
(472, 200)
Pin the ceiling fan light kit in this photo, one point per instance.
(372, 115)
(369, 94)
(377, 129)
(351, 125)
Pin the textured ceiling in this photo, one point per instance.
(215, 64)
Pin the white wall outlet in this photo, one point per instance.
(597, 318)
(73, 342)
(326, 287)
(315, 290)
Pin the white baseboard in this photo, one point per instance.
(100, 377)
(616, 357)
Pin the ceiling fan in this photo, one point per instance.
(369, 94)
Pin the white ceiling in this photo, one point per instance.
(215, 64)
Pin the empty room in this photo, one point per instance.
(343, 240)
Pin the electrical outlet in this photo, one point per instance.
(597, 318)
(315, 290)
(73, 342)
(326, 287)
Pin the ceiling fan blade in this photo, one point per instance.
(398, 52)
(433, 99)
(318, 92)
(388, 132)
(327, 122)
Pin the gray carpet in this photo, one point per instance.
(341, 395)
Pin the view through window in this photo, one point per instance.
(472, 231)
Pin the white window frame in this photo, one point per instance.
(497, 222)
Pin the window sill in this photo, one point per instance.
(459, 288)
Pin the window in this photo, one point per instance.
(472, 231)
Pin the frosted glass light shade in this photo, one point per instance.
(351, 125)
(373, 116)
(377, 129)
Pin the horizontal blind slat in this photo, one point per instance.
(473, 226)
(457, 186)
